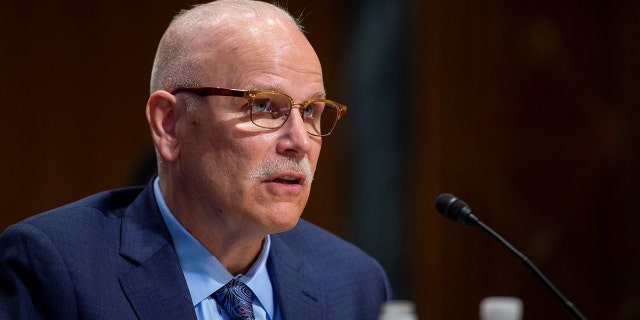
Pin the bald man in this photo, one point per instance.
(237, 112)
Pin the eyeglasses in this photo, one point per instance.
(271, 109)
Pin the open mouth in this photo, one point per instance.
(287, 180)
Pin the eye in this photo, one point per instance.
(311, 110)
(262, 105)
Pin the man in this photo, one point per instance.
(217, 234)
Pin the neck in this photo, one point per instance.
(236, 245)
(240, 260)
(235, 248)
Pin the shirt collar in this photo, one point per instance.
(203, 272)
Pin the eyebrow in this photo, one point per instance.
(317, 95)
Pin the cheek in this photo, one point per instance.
(314, 153)
(210, 150)
(232, 158)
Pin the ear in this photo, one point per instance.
(162, 117)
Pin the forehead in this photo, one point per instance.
(247, 47)
(281, 61)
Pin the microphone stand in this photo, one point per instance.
(473, 220)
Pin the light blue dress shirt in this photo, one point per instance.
(205, 274)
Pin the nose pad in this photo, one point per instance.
(300, 109)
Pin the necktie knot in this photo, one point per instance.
(235, 298)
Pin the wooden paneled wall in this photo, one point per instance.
(528, 112)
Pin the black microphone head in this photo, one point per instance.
(455, 209)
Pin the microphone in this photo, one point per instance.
(457, 210)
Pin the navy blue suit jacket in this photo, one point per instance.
(110, 256)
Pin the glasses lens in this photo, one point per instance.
(270, 110)
(320, 117)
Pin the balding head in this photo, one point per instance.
(202, 42)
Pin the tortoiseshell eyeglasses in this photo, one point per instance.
(270, 109)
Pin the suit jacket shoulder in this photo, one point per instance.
(108, 256)
(321, 276)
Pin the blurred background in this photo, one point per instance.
(527, 110)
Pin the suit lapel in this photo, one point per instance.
(296, 293)
(156, 288)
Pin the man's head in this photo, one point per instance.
(215, 164)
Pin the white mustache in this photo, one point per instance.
(273, 167)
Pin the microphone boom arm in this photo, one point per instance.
(457, 210)
(570, 306)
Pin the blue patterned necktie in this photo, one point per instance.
(235, 297)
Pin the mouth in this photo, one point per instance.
(287, 180)
(284, 172)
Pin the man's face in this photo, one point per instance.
(234, 167)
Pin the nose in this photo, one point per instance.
(295, 140)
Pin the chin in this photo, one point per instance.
(278, 222)
(285, 227)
